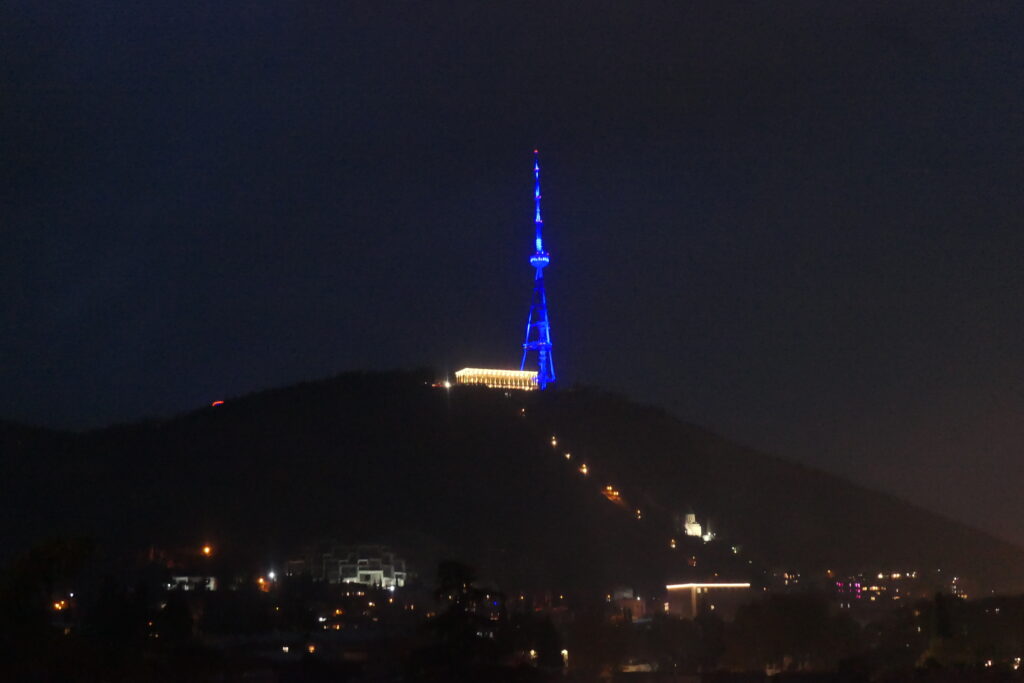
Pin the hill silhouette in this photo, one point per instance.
(469, 473)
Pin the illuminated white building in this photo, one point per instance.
(689, 525)
(523, 380)
(687, 600)
(193, 583)
(369, 565)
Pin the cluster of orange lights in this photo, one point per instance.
(60, 605)
(612, 494)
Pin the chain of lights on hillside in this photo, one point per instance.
(609, 492)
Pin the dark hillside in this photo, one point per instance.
(462, 473)
(785, 513)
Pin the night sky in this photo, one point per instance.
(798, 224)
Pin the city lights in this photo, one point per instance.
(791, 334)
(685, 586)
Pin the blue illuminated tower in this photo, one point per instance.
(538, 329)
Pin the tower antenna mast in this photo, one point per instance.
(538, 328)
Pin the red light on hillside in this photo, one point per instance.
(217, 403)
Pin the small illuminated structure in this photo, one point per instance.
(685, 599)
(523, 380)
(583, 469)
(691, 527)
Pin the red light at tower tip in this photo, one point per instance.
(536, 152)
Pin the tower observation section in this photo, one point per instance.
(538, 327)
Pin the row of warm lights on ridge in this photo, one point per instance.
(610, 492)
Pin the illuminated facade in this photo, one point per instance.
(524, 380)
(538, 329)
(688, 600)
(691, 526)
(688, 524)
(193, 583)
(369, 565)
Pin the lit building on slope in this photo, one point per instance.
(369, 565)
(525, 380)
(688, 600)
(689, 525)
